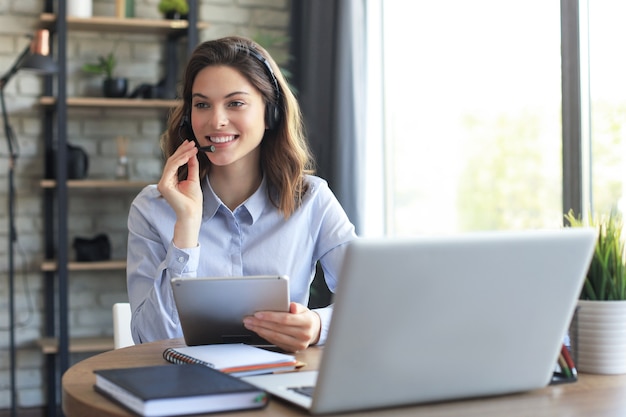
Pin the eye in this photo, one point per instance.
(201, 105)
(236, 103)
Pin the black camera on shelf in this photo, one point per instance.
(77, 163)
(149, 90)
(97, 248)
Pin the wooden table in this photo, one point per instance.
(592, 395)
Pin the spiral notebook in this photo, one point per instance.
(237, 359)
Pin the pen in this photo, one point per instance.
(568, 360)
(564, 368)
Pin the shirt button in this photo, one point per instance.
(181, 259)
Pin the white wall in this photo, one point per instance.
(92, 293)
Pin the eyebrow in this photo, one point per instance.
(234, 93)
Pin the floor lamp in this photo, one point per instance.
(35, 57)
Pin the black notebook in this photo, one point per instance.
(170, 390)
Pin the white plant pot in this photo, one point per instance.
(600, 339)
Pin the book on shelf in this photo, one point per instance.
(236, 359)
(173, 390)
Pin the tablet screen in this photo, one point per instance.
(211, 309)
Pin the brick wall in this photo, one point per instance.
(90, 212)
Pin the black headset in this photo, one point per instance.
(272, 109)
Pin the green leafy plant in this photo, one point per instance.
(105, 66)
(606, 277)
(178, 6)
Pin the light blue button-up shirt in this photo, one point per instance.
(254, 239)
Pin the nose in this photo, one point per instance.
(219, 118)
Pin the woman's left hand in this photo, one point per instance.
(292, 331)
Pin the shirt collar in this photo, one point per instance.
(211, 201)
(254, 205)
(258, 201)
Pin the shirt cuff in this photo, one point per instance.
(182, 262)
(326, 315)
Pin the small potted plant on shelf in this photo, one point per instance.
(600, 322)
(112, 86)
(174, 9)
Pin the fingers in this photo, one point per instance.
(185, 154)
(184, 196)
(193, 166)
(291, 331)
(295, 308)
(287, 342)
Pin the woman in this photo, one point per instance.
(236, 197)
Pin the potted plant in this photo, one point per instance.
(174, 9)
(599, 328)
(112, 86)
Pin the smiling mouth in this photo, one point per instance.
(222, 139)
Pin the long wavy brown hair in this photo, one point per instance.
(285, 154)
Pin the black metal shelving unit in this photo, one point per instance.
(57, 347)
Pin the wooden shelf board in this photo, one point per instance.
(119, 184)
(118, 264)
(114, 24)
(50, 345)
(103, 102)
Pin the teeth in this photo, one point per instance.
(221, 139)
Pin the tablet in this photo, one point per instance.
(211, 309)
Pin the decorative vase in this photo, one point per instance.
(599, 337)
(176, 16)
(79, 8)
(114, 87)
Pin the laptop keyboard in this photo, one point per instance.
(307, 391)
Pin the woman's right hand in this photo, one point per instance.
(185, 197)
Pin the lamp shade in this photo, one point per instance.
(38, 59)
(40, 64)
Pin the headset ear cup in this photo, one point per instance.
(185, 123)
(276, 115)
(272, 116)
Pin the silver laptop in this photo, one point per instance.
(437, 318)
(211, 309)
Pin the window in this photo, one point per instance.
(607, 95)
(472, 95)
